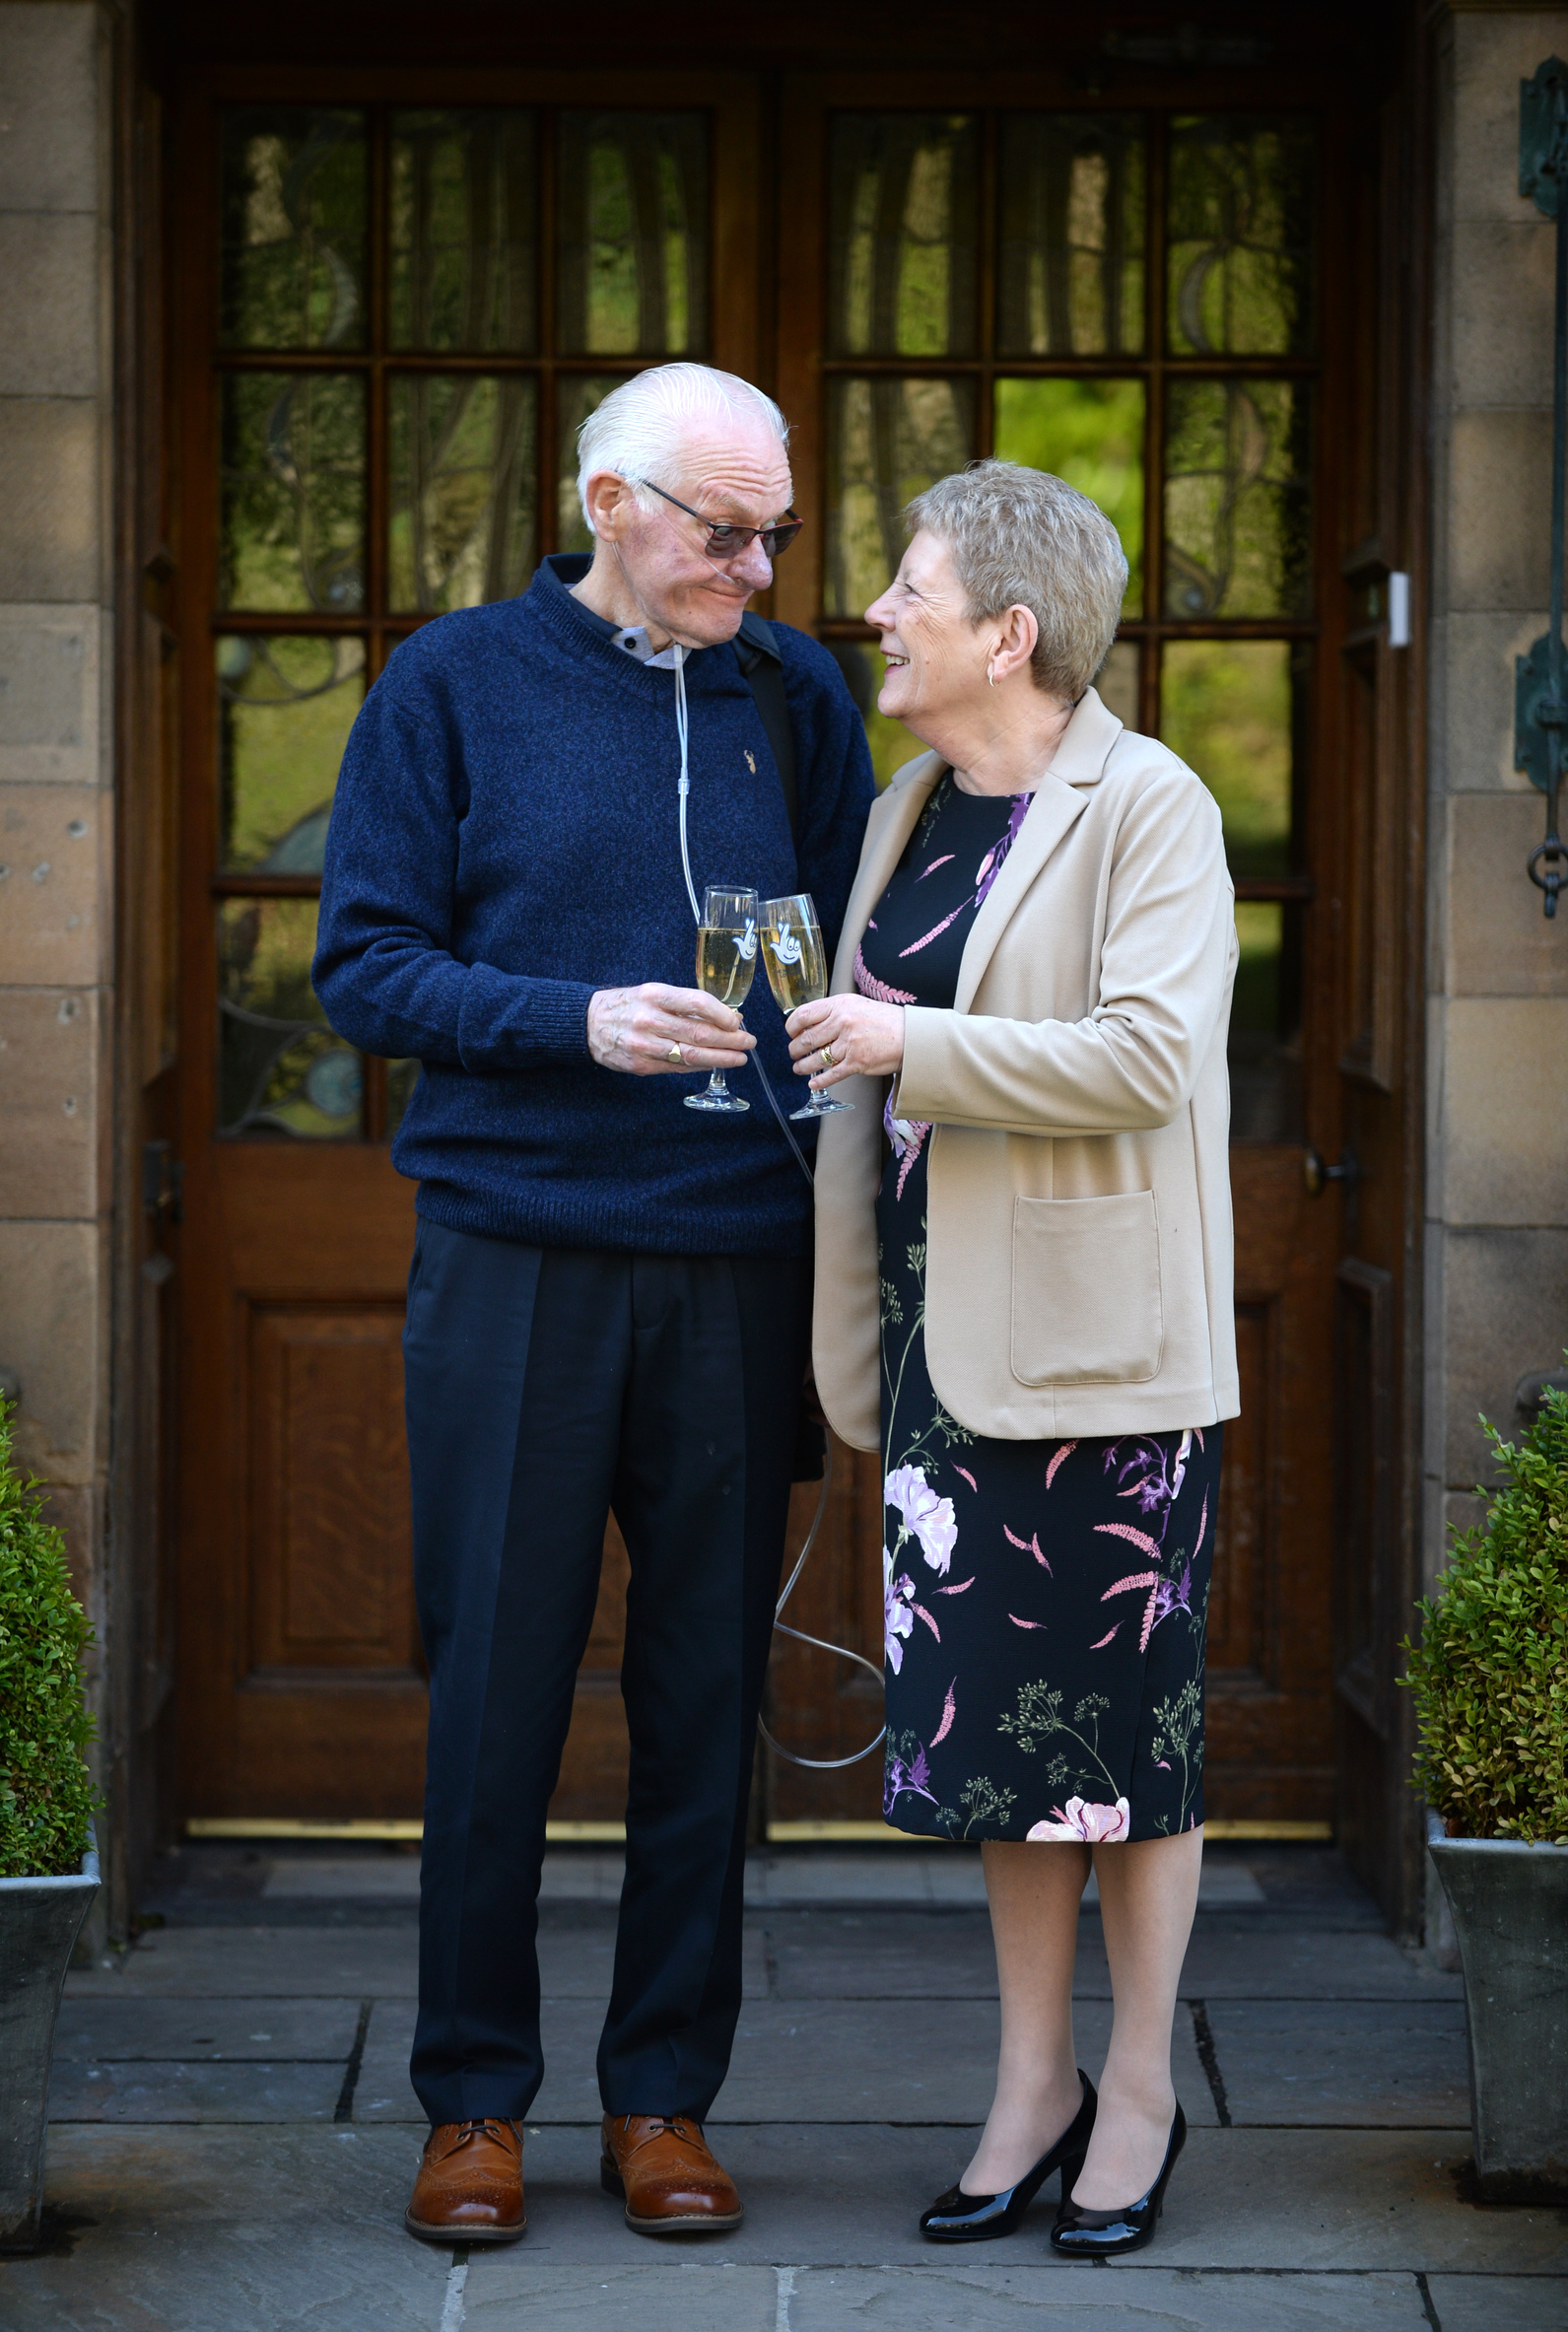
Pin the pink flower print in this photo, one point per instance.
(1029, 1545)
(923, 1515)
(869, 984)
(968, 1477)
(898, 1618)
(1137, 1579)
(1060, 1458)
(1095, 1826)
(949, 1712)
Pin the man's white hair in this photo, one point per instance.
(640, 429)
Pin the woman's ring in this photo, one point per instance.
(675, 1053)
(828, 1060)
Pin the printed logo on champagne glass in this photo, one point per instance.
(746, 948)
(786, 948)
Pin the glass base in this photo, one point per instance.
(726, 1104)
(820, 1106)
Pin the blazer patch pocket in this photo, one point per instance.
(1087, 1308)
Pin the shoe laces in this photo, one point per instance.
(667, 2125)
(484, 2125)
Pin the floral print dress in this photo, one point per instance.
(1044, 1600)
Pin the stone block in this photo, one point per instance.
(1504, 1296)
(1499, 505)
(226, 1963)
(155, 2093)
(1493, 53)
(1383, 2065)
(1473, 739)
(636, 2294)
(51, 1333)
(206, 2031)
(952, 2291)
(1487, 2303)
(48, 264)
(49, 124)
(49, 1068)
(1497, 943)
(50, 547)
(50, 661)
(54, 873)
(1504, 1119)
(1502, 293)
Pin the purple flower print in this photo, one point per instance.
(898, 1616)
(1096, 1825)
(923, 1515)
(1150, 1473)
(898, 1778)
(990, 868)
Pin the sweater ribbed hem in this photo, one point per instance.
(617, 1224)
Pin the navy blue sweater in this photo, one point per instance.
(503, 842)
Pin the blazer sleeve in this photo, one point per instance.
(1166, 966)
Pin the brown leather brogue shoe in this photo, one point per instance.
(469, 2188)
(671, 2182)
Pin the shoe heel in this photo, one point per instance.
(611, 2181)
(1071, 2171)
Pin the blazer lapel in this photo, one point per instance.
(1054, 807)
(886, 835)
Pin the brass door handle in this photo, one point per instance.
(1317, 1176)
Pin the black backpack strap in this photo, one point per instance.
(756, 653)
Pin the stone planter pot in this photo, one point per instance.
(1510, 1907)
(39, 1921)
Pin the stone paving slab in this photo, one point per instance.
(1499, 2304)
(204, 2093)
(212, 2031)
(983, 2299)
(263, 1962)
(1382, 2064)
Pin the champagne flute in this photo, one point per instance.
(797, 971)
(726, 957)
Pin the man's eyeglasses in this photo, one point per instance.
(727, 543)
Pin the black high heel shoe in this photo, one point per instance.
(1082, 2233)
(959, 2218)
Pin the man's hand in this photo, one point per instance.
(864, 1039)
(638, 1030)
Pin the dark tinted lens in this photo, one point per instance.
(779, 538)
(726, 542)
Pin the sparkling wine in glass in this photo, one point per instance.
(797, 971)
(726, 957)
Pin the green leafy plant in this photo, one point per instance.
(1490, 1672)
(46, 1795)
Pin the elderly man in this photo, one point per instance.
(609, 1295)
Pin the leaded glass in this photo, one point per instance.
(1090, 432)
(463, 231)
(1117, 682)
(631, 239)
(1070, 260)
(293, 492)
(1264, 1047)
(1236, 498)
(1230, 709)
(887, 440)
(902, 234)
(280, 1068)
(576, 396)
(461, 521)
(293, 207)
(285, 708)
(1239, 226)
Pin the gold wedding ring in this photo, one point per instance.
(828, 1060)
(675, 1053)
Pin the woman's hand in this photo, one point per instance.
(845, 1036)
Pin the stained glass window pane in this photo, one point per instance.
(285, 708)
(1230, 709)
(293, 492)
(1236, 498)
(463, 519)
(901, 234)
(576, 396)
(463, 231)
(1070, 262)
(1240, 258)
(281, 1070)
(887, 440)
(1090, 432)
(632, 240)
(293, 208)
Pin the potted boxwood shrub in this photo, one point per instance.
(48, 1866)
(1490, 1676)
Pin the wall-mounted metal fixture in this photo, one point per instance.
(1541, 688)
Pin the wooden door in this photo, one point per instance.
(395, 308)
(1152, 301)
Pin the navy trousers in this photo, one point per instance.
(545, 1387)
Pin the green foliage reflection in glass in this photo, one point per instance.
(293, 209)
(887, 440)
(1226, 708)
(293, 492)
(903, 204)
(281, 1069)
(576, 396)
(632, 245)
(461, 525)
(1090, 432)
(285, 708)
(1237, 459)
(1070, 262)
(463, 231)
(1240, 229)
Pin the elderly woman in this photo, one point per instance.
(1024, 1296)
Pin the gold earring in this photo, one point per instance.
(990, 674)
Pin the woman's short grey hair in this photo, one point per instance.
(1022, 538)
(641, 429)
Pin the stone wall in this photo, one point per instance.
(56, 796)
(1497, 1156)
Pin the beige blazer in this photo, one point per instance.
(1078, 1225)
